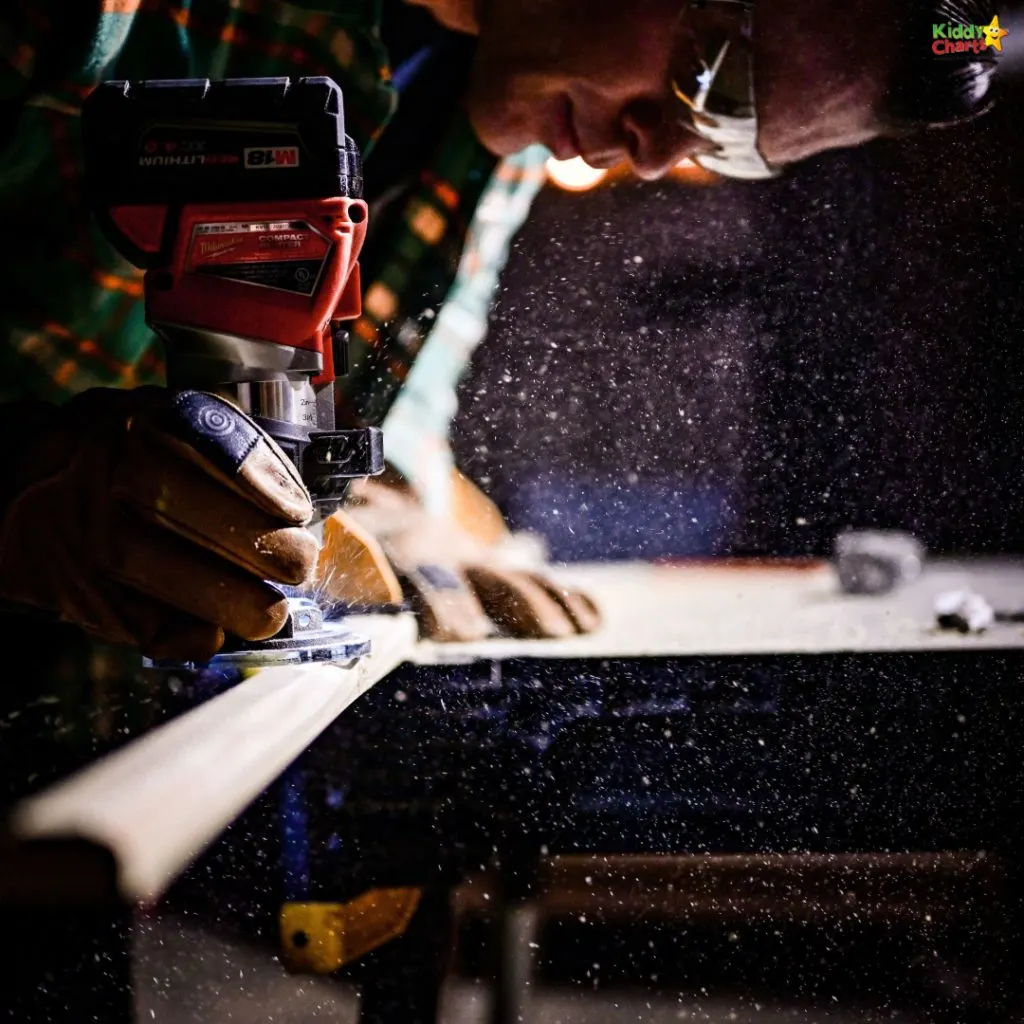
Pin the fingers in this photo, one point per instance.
(445, 604)
(519, 605)
(226, 444)
(451, 577)
(581, 610)
(156, 520)
(160, 631)
(180, 574)
(530, 605)
(170, 490)
(119, 615)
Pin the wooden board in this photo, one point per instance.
(159, 801)
(745, 608)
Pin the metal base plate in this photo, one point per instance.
(334, 643)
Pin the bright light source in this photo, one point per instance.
(574, 175)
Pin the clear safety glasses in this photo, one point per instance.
(712, 76)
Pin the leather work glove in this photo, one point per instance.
(461, 585)
(153, 519)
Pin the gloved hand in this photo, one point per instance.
(153, 519)
(460, 585)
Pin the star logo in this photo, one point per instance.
(994, 34)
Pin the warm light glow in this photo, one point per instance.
(574, 175)
(578, 176)
(692, 173)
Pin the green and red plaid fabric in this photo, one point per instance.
(70, 311)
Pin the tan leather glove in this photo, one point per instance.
(154, 519)
(459, 584)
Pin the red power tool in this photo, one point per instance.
(242, 201)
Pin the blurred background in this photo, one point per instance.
(700, 366)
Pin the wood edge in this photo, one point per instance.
(42, 836)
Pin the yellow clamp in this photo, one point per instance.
(320, 938)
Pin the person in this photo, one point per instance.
(112, 521)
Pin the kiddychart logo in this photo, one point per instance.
(954, 39)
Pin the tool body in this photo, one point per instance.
(242, 201)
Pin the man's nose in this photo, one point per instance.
(657, 137)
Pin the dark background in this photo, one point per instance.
(751, 367)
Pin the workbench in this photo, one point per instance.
(761, 678)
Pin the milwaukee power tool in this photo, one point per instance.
(242, 201)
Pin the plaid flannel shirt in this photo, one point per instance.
(71, 315)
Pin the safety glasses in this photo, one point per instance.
(712, 77)
(712, 49)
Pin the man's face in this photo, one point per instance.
(590, 78)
